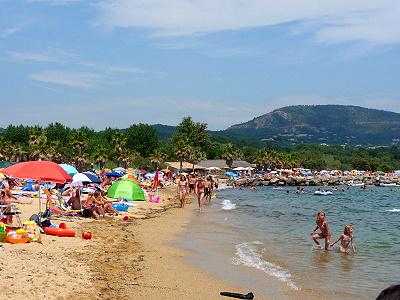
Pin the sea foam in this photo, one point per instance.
(228, 205)
(247, 255)
(393, 210)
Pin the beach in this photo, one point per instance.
(239, 243)
(124, 259)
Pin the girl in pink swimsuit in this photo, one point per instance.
(325, 234)
(345, 239)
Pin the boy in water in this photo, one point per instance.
(325, 234)
(345, 239)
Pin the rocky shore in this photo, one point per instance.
(316, 180)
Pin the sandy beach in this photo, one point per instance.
(124, 259)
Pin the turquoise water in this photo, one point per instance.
(261, 240)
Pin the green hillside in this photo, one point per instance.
(330, 124)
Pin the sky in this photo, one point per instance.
(113, 63)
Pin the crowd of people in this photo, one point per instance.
(203, 187)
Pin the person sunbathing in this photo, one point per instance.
(106, 205)
(8, 186)
(75, 201)
(90, 209)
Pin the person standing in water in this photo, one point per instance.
(323, 226)
(182, 189)
(199, 191)
(345, 239)
(208, 185)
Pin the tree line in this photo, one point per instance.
(139, 146)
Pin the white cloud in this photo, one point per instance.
(50, 55)
(72, 79)
(126, 69)
(6, 32)
(54, 2)
(33, 57)
(331, 21)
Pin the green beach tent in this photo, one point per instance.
(126, 189)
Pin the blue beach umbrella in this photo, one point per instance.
(113, 174)
(231, 174)
(86, 177)
(69, 169)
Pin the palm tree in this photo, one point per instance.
(195, 156)
(80, 158)
(271, 159)
(38, 146)
(78, 140)
(18, 152)
(182, 150)
(6, 150)
(158, 157)
(35, 134)
(100, 156)
(119, 141)
(230, 153)
(260, 158)
(293, 160)
(128, 157)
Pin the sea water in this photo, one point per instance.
(260, 240)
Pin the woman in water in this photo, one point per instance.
(345, 239)
(325, 234)
(182, 189)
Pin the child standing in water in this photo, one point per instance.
(325, 234)
(345, 239)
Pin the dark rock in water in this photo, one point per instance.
(274, 180)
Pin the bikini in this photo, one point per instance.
(200, 187)
(181, 184)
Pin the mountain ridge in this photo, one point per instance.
(331, 124)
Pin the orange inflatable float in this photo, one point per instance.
(16, 240)
(59, 231)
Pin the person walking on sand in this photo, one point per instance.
(323, 226)
(192, 183)
(182, 189)
(199, 191)
(345, 239)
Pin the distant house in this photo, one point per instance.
(220, 163)
(204, 164)
(175, 166)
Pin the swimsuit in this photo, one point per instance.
(200, 187)
(182, 185)
(324, 233)
(346, 240)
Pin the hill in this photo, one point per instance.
(330, 124)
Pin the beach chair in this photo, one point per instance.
(57, 211)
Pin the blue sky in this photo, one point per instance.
(113, 63)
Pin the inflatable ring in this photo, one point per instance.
(14, 240)
(59, 231)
